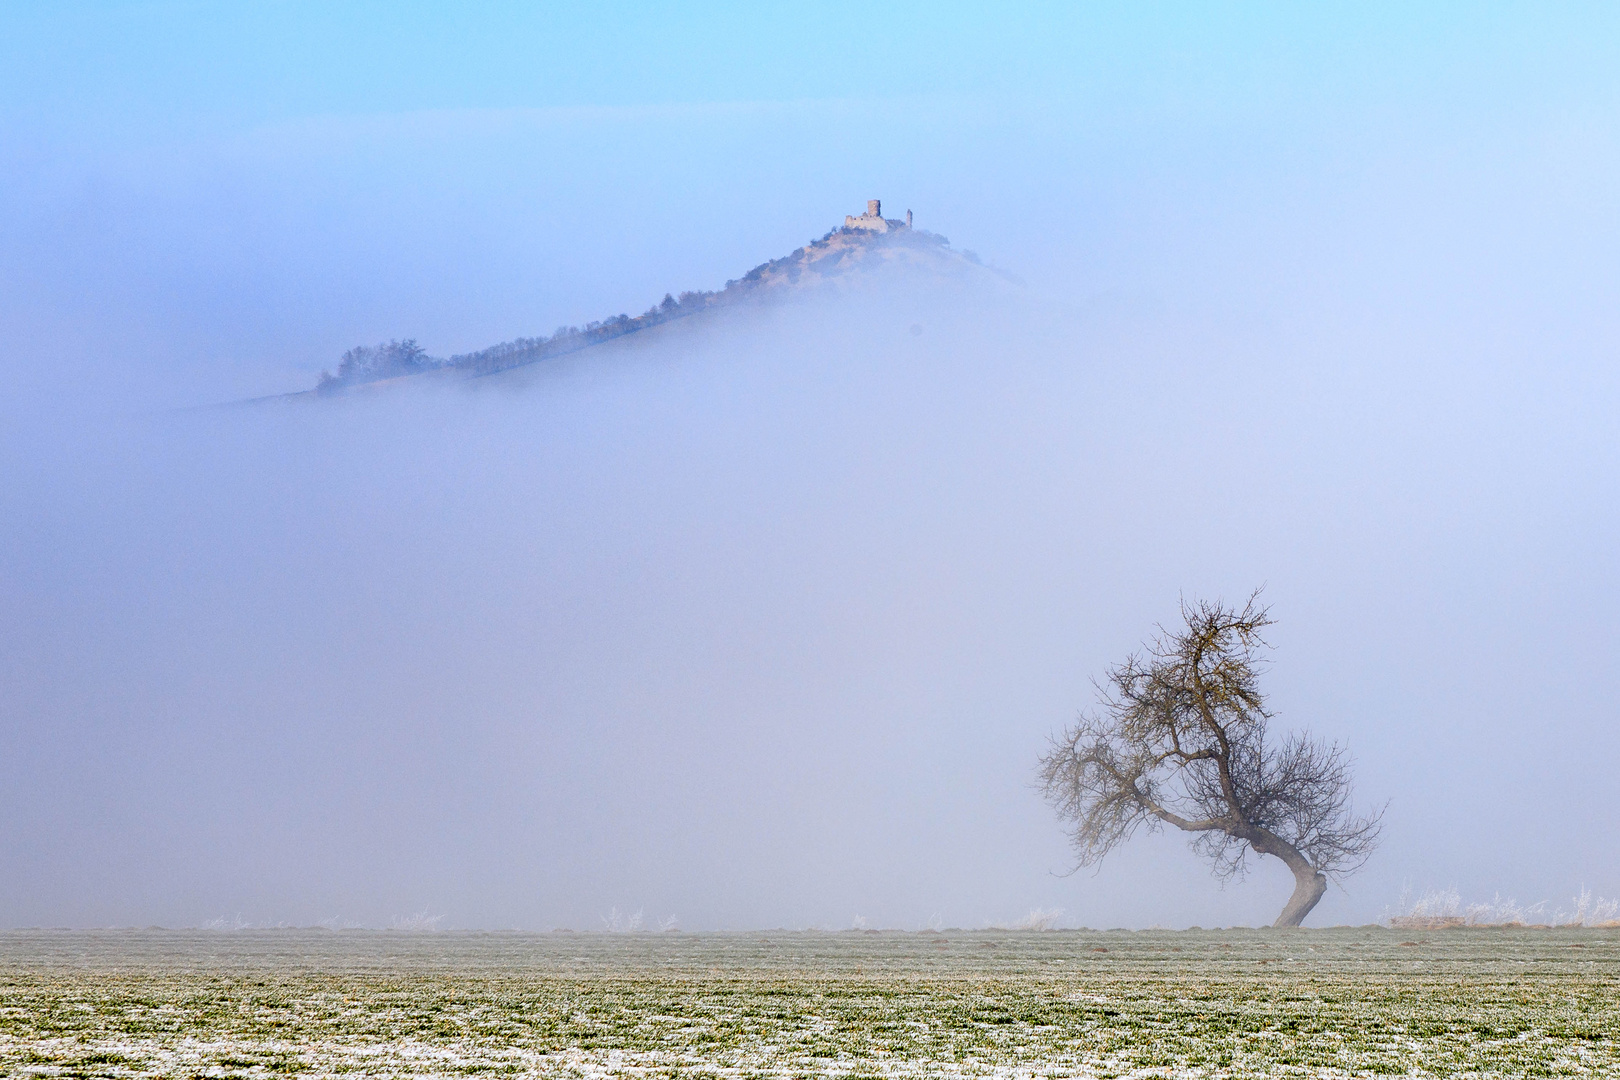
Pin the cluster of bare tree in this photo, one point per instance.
(368, 363)
(1180, 738)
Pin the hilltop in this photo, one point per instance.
(864, 246)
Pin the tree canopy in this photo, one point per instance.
(1181, 738)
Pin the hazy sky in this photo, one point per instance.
(765, 621)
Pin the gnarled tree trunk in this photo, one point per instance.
(1309, 882)
(1309, 885)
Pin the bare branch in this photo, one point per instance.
(1180, 738)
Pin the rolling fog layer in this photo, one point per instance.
(762, 620)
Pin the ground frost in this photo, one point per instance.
(1004, 1005)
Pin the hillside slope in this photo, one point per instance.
(848, 257)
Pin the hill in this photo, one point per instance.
(863, 247)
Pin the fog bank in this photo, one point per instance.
(762, 620)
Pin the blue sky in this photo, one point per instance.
(153, 66)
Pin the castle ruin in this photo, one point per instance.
(874, 221)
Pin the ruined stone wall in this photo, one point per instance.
(874, 220)
(866, 221)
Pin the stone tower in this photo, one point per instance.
(872, 220)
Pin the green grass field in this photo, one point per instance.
(1344, 1002)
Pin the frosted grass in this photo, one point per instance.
(1348, 1002)
(1446, 906)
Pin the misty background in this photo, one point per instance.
(763, 620)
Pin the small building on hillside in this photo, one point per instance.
(874, 220)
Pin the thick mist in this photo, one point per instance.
(763, 618)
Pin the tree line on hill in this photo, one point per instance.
(393, 359)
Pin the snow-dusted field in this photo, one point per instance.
(1347, 1002)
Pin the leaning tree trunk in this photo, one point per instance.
(1309, 885)
(1309, 882)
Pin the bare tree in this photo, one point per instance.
(1180, 739)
